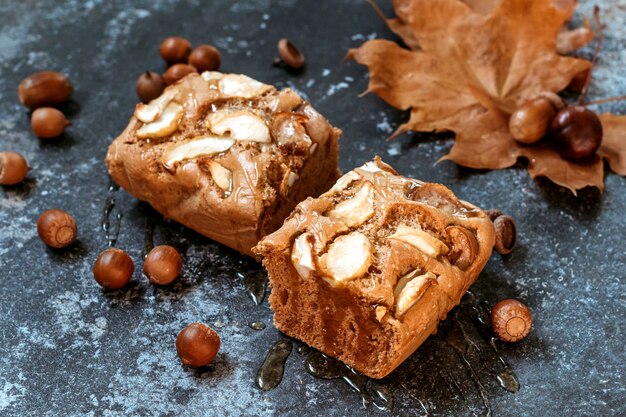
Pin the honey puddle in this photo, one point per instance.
(111, 234)
(271, 371)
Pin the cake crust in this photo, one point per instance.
(365, 272)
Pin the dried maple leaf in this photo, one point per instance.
(471, 63)
(613, 146)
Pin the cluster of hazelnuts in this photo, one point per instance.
(574, 131)
(181, 60)
(196, 344)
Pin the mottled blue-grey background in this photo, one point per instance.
(69, 349)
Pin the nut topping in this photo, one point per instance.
(348, 257)
(302, 255)
(356, 210)
(164, 125)
(237, 85)
(288, 181)
(410, 289)
(202, 145)
(239, 125)
(464, 246)
(423, 241)
(222, 176)
(150, 112)
(344, 182)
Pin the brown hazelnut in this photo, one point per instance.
(175, 50)
(511, 320)
(176, 72)
(48, 122)
(205, 58)
(56, 228)
(530, 122)
(576, 132)
(197, 344)
(493, 214)
(464, 246)
(47, 88)
(506, 234)
(150, 85)
(290, 54)
(162, 265)
(13, 168)
(113, 269)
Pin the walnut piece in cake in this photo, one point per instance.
(365, 272)
(225, 155)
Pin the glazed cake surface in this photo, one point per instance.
(365, 272)
(225, 155)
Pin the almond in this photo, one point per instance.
(165, 125)
(302, 255)
(202, 145)
(348, 257)
(423, 241)
(150, 112)
(410, 289)
(222, 176)
(356, 210)
(239, 125)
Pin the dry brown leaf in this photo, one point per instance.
(613, 146)
(471, 63)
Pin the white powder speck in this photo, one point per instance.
(325, 72)
(332, 90)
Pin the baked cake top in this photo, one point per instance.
(385, 238)
(242, 140)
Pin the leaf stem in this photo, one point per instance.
(596, 17)
(606, 100)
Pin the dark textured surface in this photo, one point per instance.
(68, 348)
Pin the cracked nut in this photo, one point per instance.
(302, 255)
(56, 228)
(13, 168)
(506, 234)
(423, 241)
(164, 125)
(288, 181)
(48, 122)
(348, 257)
(150, 112)
(356, 210)
(410, 289)
(239, 125)
(236, 85)
(511, 320)
(222, 176)
(202, 145)
(464, 246)
(290, 54)
(47, 88)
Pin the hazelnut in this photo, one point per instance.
(150, 85)
(13, 168)
(175, 50)
(162, 265)
(113, 269)
(56, 228)
(464, 246)
(576, 132)
(530, 122)
(197, 344)
(205, 58)
(47, 88)
(290, 54)
(506, 234)
(48, 122)
(176, 72)
(511, 320)
(493, 214)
